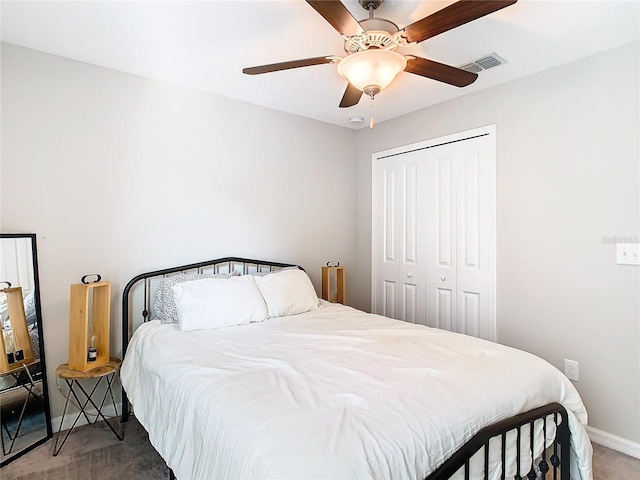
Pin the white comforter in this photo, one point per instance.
(335, 393)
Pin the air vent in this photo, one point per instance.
(472, 67)
(484, 63)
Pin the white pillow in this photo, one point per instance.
(164, 305)
(217, 303)
(287, 292)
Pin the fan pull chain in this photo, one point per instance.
(372, 122)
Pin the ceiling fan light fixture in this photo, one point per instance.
(372, 69)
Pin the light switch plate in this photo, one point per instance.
(628, 254)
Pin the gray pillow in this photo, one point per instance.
(164, 305)
(30, 308)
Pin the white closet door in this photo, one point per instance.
(434, 233)
(439, 242)
(476, 230)
(399, 292)
(460, 237)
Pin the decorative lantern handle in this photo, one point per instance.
(97, 275)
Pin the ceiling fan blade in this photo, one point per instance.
(440, 72)
(452, 16)
(334, 12)
(274, 67)
(351, 97)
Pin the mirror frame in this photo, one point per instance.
(45, 386)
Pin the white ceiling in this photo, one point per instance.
(205, 45)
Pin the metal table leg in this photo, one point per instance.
(83, 409)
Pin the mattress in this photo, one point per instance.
(334, 393)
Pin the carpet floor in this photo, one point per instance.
(94, 453)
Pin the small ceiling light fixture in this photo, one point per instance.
(371, 71)
(356, 120)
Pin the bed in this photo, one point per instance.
(337, 393)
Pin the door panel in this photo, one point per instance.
(443, 308)
(443, 210)
(475, 226)
(469, 319)
(439, 243)
(389, 299)
(409, 231)
(409, 301)
(398, 198)
(469, 211)
(390, 214)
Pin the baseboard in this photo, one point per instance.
(614, 442)
(108, 411)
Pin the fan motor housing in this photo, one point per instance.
(379, 24)
(380, 32)
(373, 39)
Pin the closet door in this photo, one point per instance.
(399, 292)
(434, 233)
(440, 171)
(460, 237)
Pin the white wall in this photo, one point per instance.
(119, 174)
(567, 176)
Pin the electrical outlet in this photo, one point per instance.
(628, 254)
(571, 369)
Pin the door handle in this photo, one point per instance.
(408, 275)
(443, 278)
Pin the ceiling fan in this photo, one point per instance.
(372, 61)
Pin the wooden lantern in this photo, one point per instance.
(330, 292)
(89, 315)
(22, 353)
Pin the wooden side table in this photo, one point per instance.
(73, 378)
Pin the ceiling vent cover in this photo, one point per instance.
(484, 63)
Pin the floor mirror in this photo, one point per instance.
(24, 399)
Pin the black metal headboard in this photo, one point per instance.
(243, 266)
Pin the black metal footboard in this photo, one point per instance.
(497, 436)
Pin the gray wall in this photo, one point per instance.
(567, 176)
(120, 175)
